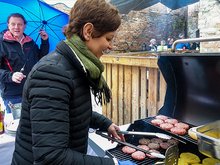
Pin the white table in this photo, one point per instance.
(6, 149)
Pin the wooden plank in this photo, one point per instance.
(143, 93)
(121, 95)
(104, 107)
(135, 93)
(115, 93)
(131, 60)
(109, 82)
(152, 89)
(133, 97)
(162, 91)
(127, 94)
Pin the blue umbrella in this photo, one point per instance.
(39, 15)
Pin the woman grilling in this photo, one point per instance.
(56, 108)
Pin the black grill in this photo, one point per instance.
(186, 143)
(192, 97)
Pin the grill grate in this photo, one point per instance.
(184, 137)
(117, 152)
(145, 125)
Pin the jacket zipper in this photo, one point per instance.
(8, 64)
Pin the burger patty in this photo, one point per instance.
(171, 121)
(138, 155)
(156, 140)
(182, 125)
(165, 145)
(178, 131)
(128, 150)
(145, 147)
(172, 141)
(162, 117)
(166, 126)
(150, 156)
(144, 141)
(157, 122)
(154, 146)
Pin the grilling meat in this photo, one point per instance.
(145, 147)
(165, 145)
(150, 156)
(154, 146)
(171, 121)
(156, 140)
(144, 141)
(128, 150)
(182, 125)
(166, 126)
(138, 155)
(157, 122)
(178, 131)
(162, 117)
(172, 141)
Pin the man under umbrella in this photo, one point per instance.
(18, 54)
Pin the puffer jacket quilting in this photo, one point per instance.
(58, 121)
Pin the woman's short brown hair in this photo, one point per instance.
(104, 17)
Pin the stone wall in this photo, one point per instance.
(192, 22)
(209, 24)
(157, 21)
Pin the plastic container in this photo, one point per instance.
(209, 139)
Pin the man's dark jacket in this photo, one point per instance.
(57, 114)
(13, 56)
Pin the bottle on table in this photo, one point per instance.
(1, 121)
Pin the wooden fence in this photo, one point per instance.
(138, 87)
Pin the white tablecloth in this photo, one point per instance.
(6, 149)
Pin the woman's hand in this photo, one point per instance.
(112, 131)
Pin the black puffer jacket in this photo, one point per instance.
(56, 115)
(13, 57)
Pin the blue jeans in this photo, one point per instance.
(11, 100)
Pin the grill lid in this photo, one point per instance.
(193, 87)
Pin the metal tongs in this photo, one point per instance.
(157, 155)
(159, 135)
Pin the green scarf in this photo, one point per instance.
(92, 67)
